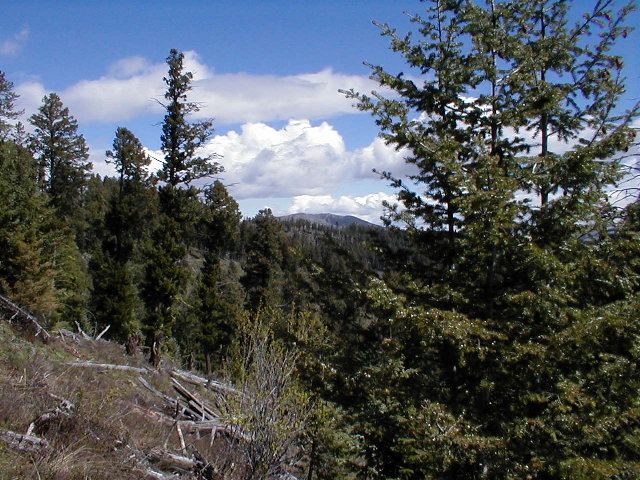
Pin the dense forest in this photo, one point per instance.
(489, 330)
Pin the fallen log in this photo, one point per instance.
(191, 425)
(204, 382)
(25, 443)
(150, 473)
(166, 459)
(16, 311)
(194, 402)
(109, 366)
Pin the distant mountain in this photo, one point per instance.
(328, 219)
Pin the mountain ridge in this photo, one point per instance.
(328, 219)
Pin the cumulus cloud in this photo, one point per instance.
(30, 97)
(297, 159)
(238, 97)
(368, 207)
(13, 45)
(133, 86)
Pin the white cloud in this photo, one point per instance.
(368, 207)
(14, 44)
(133, 86)
(298, 159)
(242, 97)
(30, 97)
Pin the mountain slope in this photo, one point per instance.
(328, 219)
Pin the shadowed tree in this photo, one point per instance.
(219, 307)
(263, 278)
(114, 297)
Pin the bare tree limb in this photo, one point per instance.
(109, 366)
(204, 382)
(24, 443)
(82, 332)
(103, 332)
(8, 305)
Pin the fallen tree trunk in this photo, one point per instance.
(191, 425)
(150, 473)
(25, 443)
(109, 366)
(194, 402)
(17, 312)
(166, 459)
(180, 463)
(204, 382)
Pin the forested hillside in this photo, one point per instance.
(490, 330)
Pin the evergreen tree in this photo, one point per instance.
(40, 265)
(114, 297)
(477, 344)
(181, 141)
(62, 156)
(218, 306)
(26, 266)
(7, 107)
(263, 277)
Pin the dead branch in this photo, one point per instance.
(180, 463)
(25, 443)
(82, 332)
(190, 425)
(109, 366)
(62, 411)
(150, 473)
(204, 382)
(63, 332)
(16, 311)
(187, 425)
(194, 402)
(103, 332)
(166, 459)
(155, 391)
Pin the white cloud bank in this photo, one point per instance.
(298, 159)
(134, 86)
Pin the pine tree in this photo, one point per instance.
(181, 141)
(263, 278)
(26, 267)
(478, 343)
(7, 107)
(62, 156)
(218, 306)
(40, 265)
(114, 298)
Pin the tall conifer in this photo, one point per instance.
(62, 155)
(114, 298)
(513, 124)
(181, 141)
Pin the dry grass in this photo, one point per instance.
(103, 424)
(103, 437)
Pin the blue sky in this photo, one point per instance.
(266, 71)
